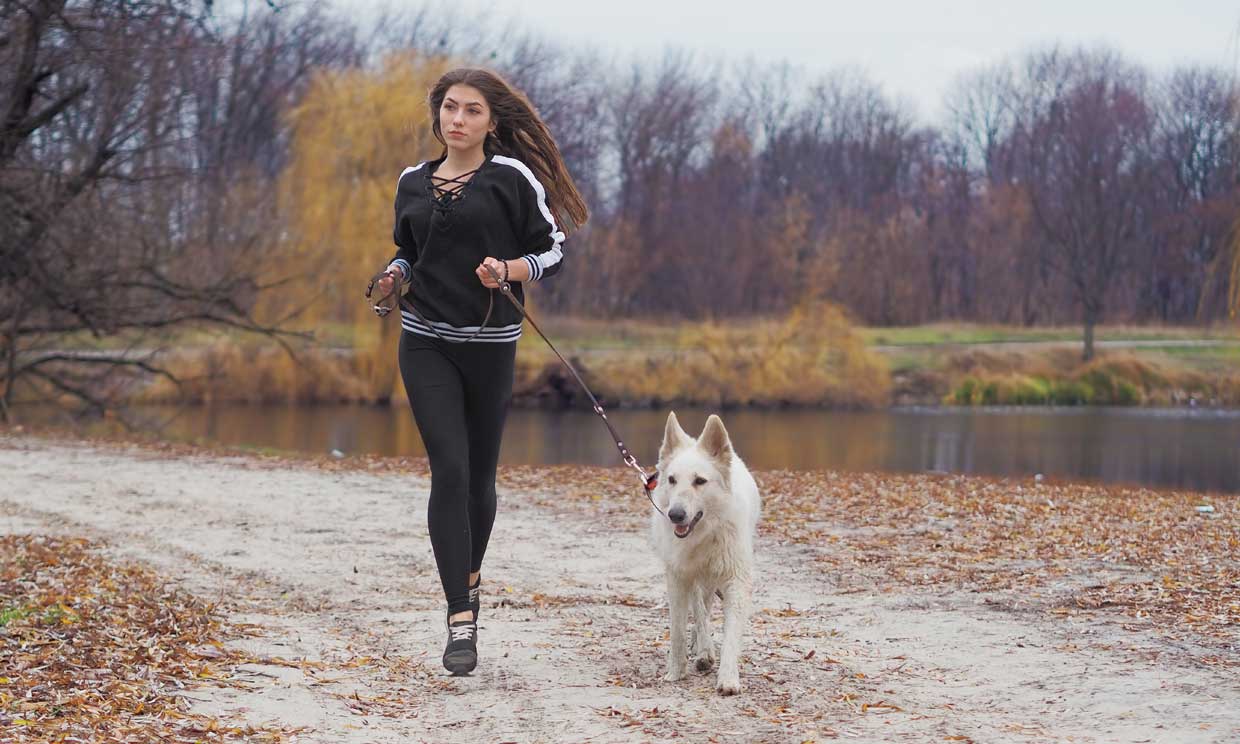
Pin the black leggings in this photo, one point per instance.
(459, 394)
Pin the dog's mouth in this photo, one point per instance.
(683, 530)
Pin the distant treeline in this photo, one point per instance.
(1063, 185)
(158, 166)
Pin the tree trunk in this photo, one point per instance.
(1091, 319)
(9, 356)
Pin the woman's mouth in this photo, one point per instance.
(683, 530)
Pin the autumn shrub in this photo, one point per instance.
(965, 393)
(1071, 393)
(229, 371)
(1028, 391)
(1118, 380)
(811, 357)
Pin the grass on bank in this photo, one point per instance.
(585, 335)
(812, 357)
(943, 334)
(1059, 377)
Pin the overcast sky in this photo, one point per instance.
(913, 49)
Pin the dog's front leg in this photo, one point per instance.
(703, 646)
(678, 606)
(735, 618)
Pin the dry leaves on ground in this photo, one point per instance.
(92, 650)
(1148, 554)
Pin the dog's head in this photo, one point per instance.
(694, 488)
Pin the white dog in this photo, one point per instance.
(706, 540)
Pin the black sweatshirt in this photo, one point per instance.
(500, 212)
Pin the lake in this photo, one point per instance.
(1186, 448)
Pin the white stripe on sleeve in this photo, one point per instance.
(539, 262)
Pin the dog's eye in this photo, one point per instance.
(699, 481)
(671, 479)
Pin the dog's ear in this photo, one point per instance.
(674, 438)
(715, 441)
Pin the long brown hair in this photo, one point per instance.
(519, 133)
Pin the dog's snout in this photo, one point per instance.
(676, 514)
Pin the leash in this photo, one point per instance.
(648, 480)
(382, 310)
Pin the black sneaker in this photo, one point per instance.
(461, 655)
(474, 603)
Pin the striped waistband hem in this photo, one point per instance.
(501, 334)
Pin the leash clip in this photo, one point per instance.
(631, 461)
(650, 480)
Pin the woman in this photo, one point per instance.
(494, 201)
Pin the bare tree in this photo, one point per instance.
(1084, 139)
(982, 107)
(1197, 163)
(568, 92)
(438, 29)
(660, 120)
(944, 197)
(102, 240)
(1001, 264)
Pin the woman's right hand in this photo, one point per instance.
(388, 280)
(385, 284)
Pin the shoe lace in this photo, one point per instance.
(462, 632)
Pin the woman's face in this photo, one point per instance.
(464, 118)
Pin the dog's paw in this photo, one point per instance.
(674, 675)
(728, 686)
(704, 660)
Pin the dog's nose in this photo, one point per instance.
(676, 514)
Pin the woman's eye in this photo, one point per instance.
(671, 479)
(698, 481)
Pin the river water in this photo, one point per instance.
(1185, 448)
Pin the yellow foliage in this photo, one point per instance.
(229, 372)
(812, 357)
(352, 135)
(791, 225)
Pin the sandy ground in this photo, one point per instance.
(336, 568)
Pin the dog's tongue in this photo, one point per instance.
(681, 529)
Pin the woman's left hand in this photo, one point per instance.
(485, 277)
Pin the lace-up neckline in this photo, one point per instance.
(448, 191)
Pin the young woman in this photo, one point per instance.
(499, 197)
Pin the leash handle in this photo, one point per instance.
(381, 309)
